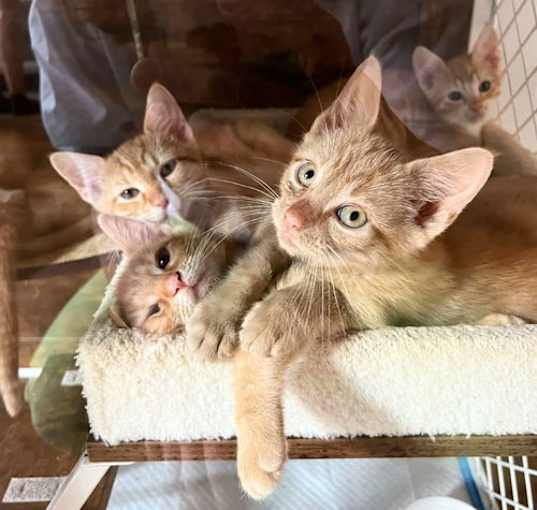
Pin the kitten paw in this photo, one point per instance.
(208, 336)
(260, 463)
(266, 332)
(500, 319)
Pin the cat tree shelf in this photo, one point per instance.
(356, 448)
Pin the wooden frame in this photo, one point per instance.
(356, 448)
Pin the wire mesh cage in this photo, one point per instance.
(516, 23)
(510, 483)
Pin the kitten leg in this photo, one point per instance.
(274, 333)
(261, 442)
(212, 330)
(500, 319)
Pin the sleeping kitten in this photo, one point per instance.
(168, 170)
(367, 233)
(165, 276)
(446, 103)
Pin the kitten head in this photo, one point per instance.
(461, 90)
(165, 276)
(348, 197)
(137, 179)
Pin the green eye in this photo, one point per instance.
(351, 216)
(129, 193)
(305, 174)
(484, 86)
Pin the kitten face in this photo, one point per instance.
(340, 205)
(147, 177)
(163, 282)
(461, 90)
(348, 198)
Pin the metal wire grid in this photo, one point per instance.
(516, 22)
(509, 482)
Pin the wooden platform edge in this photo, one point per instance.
(356, 448)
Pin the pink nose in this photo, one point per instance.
(161, 202)
(293, 220)
(476, 107)
(174, 284)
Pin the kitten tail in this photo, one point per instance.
(10, 389)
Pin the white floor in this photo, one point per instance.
(375, 484)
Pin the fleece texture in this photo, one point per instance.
(399, 381)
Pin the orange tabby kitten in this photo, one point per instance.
(367, 231)
(447, 103)
(165, 276)
(168, 170)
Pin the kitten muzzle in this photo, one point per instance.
(174, 284)
(298, 217)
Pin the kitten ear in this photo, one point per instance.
(448, 183)
(358, 102)
(129, 235)
(84, 172)
(163, 115)
(486, 50)
(429, 68)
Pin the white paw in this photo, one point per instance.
(500, 319)
(263, 334)
(260, 463)
(210, 336)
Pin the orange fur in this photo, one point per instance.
(156, 294)
(408, 258)
(211, 178)
(11, 204)
(454, 98)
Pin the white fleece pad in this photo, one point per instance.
(399, 381)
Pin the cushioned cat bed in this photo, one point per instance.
(395, 382)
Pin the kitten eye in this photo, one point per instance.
(484, 86)
(167, 168)
(351, 216)
(153, 309)
(162, 258)
(455, 95)
(305, 174)
(129, 193)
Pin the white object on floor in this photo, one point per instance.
(439, 504)
(32, 489)
(71, 378)
(398, 381)
(343, 484)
